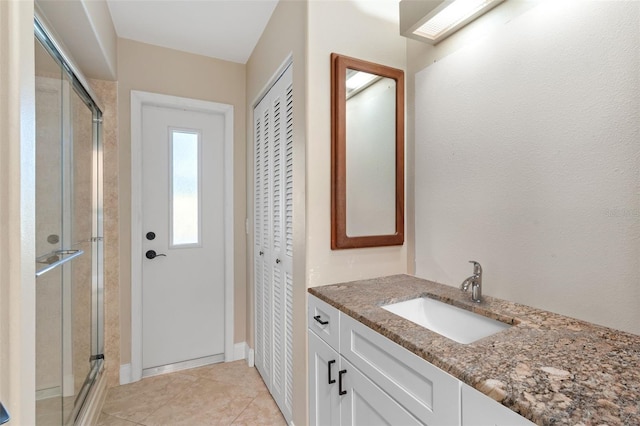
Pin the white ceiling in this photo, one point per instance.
(224, 29)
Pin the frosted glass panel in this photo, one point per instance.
(185, 188)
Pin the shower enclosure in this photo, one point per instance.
(69, 247)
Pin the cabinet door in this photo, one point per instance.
(365, 404)
(324, 401)
(424, 390)
(480, 410)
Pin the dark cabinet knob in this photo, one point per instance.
(151, 236)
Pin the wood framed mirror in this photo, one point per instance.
(367, 154)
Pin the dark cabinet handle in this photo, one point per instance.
(278, 261)
(329, 368)
(317, 318)
(340, 374)
(261, 253)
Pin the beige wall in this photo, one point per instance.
(160, 70)
(348, 28)
(284, 35)
(527, 160)
(17, 211)
(419, 56)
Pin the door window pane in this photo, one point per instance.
(185, 188)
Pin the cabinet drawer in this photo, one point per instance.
(324, 320)
(424, 390)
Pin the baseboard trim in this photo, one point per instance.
(239, 351)
(250, 357)
(125, 374)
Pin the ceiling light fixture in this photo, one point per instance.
(359, 79)
(433, 21)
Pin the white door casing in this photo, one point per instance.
(224, 114)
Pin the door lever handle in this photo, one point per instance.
(151, 254)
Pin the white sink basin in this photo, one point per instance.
(450, 321)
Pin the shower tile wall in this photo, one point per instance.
(107, 93)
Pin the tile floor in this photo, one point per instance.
(219, 394)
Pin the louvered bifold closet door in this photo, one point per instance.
(287, 256)
(262, 232)
(274, 216)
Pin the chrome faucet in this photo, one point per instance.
(475, 281)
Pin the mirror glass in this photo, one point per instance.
(367, 154)
(370, 154)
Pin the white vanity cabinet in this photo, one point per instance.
(426, 392)
(324, 363)
(480, 410)
(339, 393)
(359, 377)
(373, 381)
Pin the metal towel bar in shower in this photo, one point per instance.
(4, 415)
(70, 254)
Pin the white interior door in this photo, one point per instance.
(183, 285)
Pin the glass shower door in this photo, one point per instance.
(83, 271)
(68, 246)
(49, 232)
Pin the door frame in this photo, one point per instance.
(140, 99)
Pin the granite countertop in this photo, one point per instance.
(550, 368)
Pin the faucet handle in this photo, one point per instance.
(477, 269)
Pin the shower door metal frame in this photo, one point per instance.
(79, 84)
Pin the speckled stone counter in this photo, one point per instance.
(549, 368)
